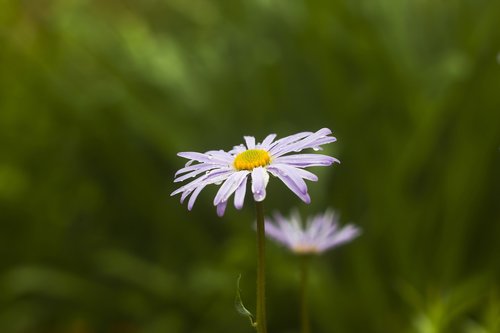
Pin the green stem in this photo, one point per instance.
(261, 270)
(304, 277)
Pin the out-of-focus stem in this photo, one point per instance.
(304, 311)
(261, 270)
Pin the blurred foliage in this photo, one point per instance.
(96, 98)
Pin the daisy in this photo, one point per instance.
(321, 232)
(254, 160)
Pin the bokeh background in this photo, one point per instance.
(97, 97)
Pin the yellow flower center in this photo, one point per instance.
(252, 158)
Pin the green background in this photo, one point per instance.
(97, 97)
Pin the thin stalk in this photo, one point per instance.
(261, 270)
(304, 311)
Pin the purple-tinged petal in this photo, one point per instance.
(192, 174)
(291, 228)
(286, 141)
(294, 229)
(323, 224)
(291, 185)
(193, 197)
(313, 140)
(250, 141)
(260, 178)
(306, 174)
(291, 180)
(192, 168)
(218, 174)
(239, 195)
(220, 154)
(276, 233)
(221, 208)
(186, 193)
(267, 141)
(306, 160)
(215, 177)
(229, 186)
(188, 187)
(204, 158)
(319, 142)
(346, 234)
(191, 155)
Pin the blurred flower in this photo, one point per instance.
(255, 160)
(321, 232)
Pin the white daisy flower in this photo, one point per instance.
(254, 160)
(321, 232)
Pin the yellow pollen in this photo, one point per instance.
(252, 158)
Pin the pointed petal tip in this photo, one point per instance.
(333, 160)
(306, 198)
(221, 208)
(177, 191)
(325, 131)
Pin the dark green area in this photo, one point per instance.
(97, 97)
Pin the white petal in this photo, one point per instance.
(193, 197)
(260, 178)
(250, 141)
(267, 141)
(229, 186)
(239, 195)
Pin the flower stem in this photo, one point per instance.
(261, 269)
(304, 277)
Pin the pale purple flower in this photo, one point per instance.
(320, 233)
(232, 169)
